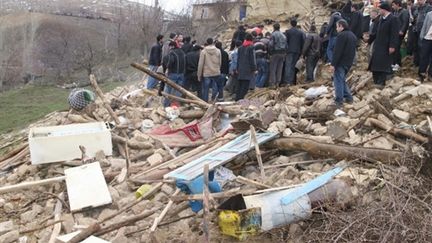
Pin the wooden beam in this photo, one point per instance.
(31, 184)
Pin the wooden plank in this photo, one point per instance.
(86, 187)
(31, 184)
(258, 152)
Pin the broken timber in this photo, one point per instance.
(339, 152)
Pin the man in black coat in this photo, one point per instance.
(187, 45)
(295, 41)
(356, 24)
(224, 69)
(311, 52)
(331, 33)
(246, 66)
(403, 18)
(239, 35)
(175, 65)
(385, 42)
(192, 59)
(343, 58)
(155, 60)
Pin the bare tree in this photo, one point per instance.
(86, 56)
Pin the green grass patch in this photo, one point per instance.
(21, 107)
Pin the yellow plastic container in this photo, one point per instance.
(240, 224)
(142, 190)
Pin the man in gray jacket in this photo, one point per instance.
(209, 66)
(277, 49)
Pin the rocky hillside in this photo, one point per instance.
(65, 45)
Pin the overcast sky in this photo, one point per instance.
(169, 5)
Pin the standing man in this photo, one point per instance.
(262, 63)
(332, 34)
(209, 66)
(343, 58)
(165, 48)
(175, 64)
(246, 66)
(426, 44)
(192, 59)
(224, 71)
(277, 48)
(356, 23)
(385, 42)
(403, 17)
(419, 14)
(311, 52)
(295, 40)
(155, 60)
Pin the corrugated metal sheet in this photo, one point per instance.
(220, 156)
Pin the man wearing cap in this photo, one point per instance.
(385, 42)
(343, 58)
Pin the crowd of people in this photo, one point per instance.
(391, 30)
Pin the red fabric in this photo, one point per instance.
(247, 43)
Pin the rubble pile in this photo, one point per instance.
(394, 119)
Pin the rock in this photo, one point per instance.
(10, 237)
(120, 237)
(168, 190)
(105, 213)
(8, 207)
(359, 113)
(22, 170)
(85, 220)
(346, 122)
(23, 239)
(294, 230)
(316, 167)
(114, 194)
(100, 155)
(2, 202)
(380, 142)
(155, 159)
(28, 216)
(117, 164)
(287, 132)
(6, 226)
(402, 115)
(353, 138)
(68, 222)
(277, 127)
(385, 119)
(320, 131)
(12, 178)
(358, 105)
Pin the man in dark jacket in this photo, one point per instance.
(402, 16)
(332, 34)
(343, 58)
(155, 60)
(419, 12)
(175, 64)
(385, 42)
(224, 70)
(187, 45)
(239, 35)
(277, 49)
(311, 52)
(295, 40)
(246, 66)
(192, 59)
(356, 21)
